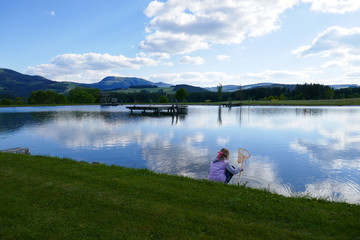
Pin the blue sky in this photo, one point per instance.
(198, 42)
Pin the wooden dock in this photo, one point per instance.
(169, 109)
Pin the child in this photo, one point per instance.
(220, 169)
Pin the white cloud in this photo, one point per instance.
(334, 6)
(212, 79)
(173, 43)
(184, 26)
(340, 45)
(333, 38)
(87, 67)
(178, 26)
(223, 57)
(160, 55)
(51, 13)
(169, 64)
(191, 60)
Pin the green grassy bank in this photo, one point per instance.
(52, 198)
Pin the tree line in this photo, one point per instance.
(297, 92)
(80, 95)
(77, 95)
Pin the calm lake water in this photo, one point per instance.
(313, 151)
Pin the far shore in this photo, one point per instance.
(329, 102)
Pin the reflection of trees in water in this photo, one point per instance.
(289, 110)
(174, 117)
(310, 111)
(12, 121)
(270, 110)
(219, 116)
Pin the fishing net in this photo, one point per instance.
(243, 154)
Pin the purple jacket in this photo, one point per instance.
(217, 170)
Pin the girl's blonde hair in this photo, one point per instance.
(223, 154)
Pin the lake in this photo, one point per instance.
(311, 151)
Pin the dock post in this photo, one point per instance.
(172, 106)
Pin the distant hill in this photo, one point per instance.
(225, 88)
(339, 86)
(14, 84)
(162, 84)
(110, 83)
(190, 88)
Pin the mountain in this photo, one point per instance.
(110, 83)
(225, 88)
(14, 84)
(339, 86)
(162, 84)
(190, 88)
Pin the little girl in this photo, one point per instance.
(220, 169)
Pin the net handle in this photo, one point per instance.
(243, 154)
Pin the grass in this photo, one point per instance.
(53, 198)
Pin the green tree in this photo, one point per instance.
(181, 94)
(46, 97)
(5, 101)
(19, 101)
(219, 90)
(38, 97)
(163, 99)
(329, 93)
(84, 95)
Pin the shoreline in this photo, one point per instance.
(331, 102)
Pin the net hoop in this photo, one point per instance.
(243, 154)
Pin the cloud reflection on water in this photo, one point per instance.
(259, 172)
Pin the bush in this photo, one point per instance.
(5, 101)
(84, 95)
(46, 97)
(19, 101)
(181, 94)
(163, 99)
